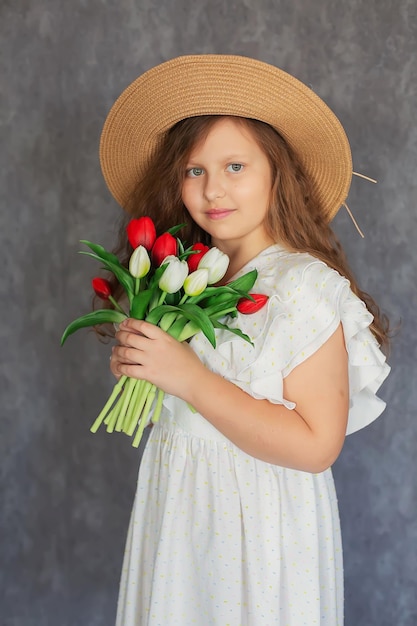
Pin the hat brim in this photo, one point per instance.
(212, 84)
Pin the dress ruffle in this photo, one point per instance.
(307, 302)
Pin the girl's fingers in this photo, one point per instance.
(131, 370)
(122, 356)
(136, 334)
(129, 355)
(147, 352)
(114, 365)
(140, 327)
(126, 338)
(130, 339)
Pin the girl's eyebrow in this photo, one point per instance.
(231, 157)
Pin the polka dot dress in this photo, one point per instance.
(217, 537)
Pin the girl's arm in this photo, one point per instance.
(308, 438)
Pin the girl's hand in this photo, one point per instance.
(145, 351)
(114, 364)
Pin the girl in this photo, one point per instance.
(235, 519)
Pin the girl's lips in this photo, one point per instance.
(218, 214)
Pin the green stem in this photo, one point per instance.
(167, 320)
(111, 421)
(116, 390)
(158, 406)
(144, 417)
(124, 402)
(176, 329)
(132, 411)
(110, 415)
(217, 314)
(116, 305)
(189, 330)
(138, 409)
(153, 301)
(114, 413)
(162, 298)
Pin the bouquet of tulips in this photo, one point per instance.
(173, 287)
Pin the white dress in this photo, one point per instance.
(218, 537)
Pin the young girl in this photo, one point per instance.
(235, 519)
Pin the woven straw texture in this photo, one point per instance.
(224, 85)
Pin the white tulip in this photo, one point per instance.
(196, 282)
(216, 262)
(139, 264)
(174, 275)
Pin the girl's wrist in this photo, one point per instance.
(195, 384)
(199, 385)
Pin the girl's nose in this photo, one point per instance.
(214, 188)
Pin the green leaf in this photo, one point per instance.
(102, 316)
(177, 327)
(174, 229)
(173, 298)
(188, 251)
(140, 304)
(168, 320)
(219, 310)
(191, 312)
(158, 312)
(210, 292)
(125, 279)
(245, 282)
(235, 331)
(101, 252)
(121, 273)
(190, 329)
(226, 299)
(180, 247)
(200, 317)
(157, 275)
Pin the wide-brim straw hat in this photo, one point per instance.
(211, 84)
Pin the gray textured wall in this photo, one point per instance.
(66, 494)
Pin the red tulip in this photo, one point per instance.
(102, 288)
(194, 259)
(165, 245)
(141, 232)
(247, 306)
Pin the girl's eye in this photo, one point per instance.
(234, 167)
(194, 172)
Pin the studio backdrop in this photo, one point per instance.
(66, 494)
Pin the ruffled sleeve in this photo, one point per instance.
(308, 300)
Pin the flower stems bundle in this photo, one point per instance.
(169, 286)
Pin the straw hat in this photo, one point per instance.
(212, 84)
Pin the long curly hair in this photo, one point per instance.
(295, 217)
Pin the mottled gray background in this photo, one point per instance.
(66, 494)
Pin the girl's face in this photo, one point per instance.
(227, 188)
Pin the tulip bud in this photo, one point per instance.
(141, 232)
(196, 282)
(102, 288)
(165, 245)
(174, 275)
(216, 262)
(194, 259)
(140, 263)
(247, 306)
